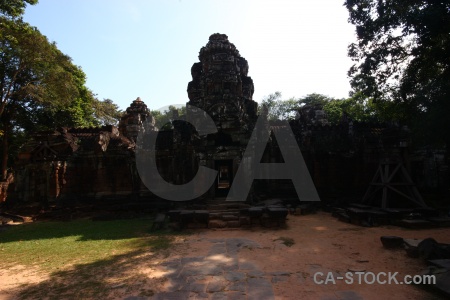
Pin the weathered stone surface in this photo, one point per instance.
(217, 284)
(136, 114)
(201, 296)
(329, 297)
(255, 273)
(176, 284)
(196, 278)
(236, 296)
(442, 263)
(245, 265)
(196, 287)
(350, 295)
(172, 295)
(230, 217)
(217, 224)
(391, 241)
(219, 296)
(207, 269)
(243, 221)
(442, 281)
(276, 279)
(233, 224)
(239, 286)
(190, 260)
(217, 249)
(280, 273)
(234, 276)
(259, 288)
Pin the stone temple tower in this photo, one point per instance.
(136, 114)
(220, 85)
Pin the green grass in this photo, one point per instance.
(84, 259)
(56, 245)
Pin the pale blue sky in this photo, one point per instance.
(145, 48)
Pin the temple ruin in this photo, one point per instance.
(73, 165)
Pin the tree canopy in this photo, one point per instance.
(163, 118)
(32, 68)
(279, 109)
(402, 54)
(40, 87)
(106, 112)
(14, 8)
(358, 108)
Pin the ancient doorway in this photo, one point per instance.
(224, 177)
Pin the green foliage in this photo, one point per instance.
(334, 110)
(14, 8)
(363, 109)
(279, 109)
(357, 108)
(403, 55)
(106, 112)
(163, 119)
(403, 46)
(314, 99)
(40, 87)
(32, 69)
(270, 102)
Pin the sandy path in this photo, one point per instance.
(236, 264)
(325, 244)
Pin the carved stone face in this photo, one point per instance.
(243, 65)
(222, 78)
(196, 71)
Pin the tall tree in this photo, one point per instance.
(361, 108)
(314, 99)
(163, 118)
(36, 80)
(403, 54)
(106, 112)
(279, 109)
(14, 8)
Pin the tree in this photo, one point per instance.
(361, 108)
(39, 85)
(314, 99)
(287, 109)
(106, 112)
(163, 118)
(78, 111)
(403, 55)
(331, 106)
(14, 8)
(279, 109)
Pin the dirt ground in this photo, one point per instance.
(321, 244)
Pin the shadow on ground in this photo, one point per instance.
(118, 276)
(85, 229)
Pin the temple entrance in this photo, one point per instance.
(224, 177)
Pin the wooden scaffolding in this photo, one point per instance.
(392, 181)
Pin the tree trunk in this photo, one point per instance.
(5, 153)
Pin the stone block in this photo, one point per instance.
(233, 224)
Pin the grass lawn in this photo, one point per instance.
(77, 253)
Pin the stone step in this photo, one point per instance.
(226, 206)
(224, 215)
